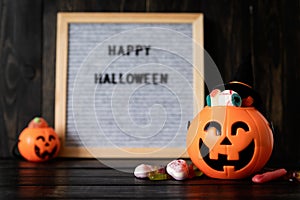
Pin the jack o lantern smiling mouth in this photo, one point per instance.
(45, 154)
(245, 157)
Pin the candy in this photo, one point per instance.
(194, 171)
(296, 175)
(268, 176)
(224, 98)
(158, 175)
(142, 171)
(178, 169)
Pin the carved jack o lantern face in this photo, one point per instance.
(38, 144)
(229, 142)
(45, 146)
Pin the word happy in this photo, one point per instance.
(127, 50)
(143, 78)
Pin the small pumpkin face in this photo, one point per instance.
(39, 144)
(229, 142)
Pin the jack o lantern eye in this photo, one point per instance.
(41, 138)
(237, 125)
(214, 127)
(51, 137)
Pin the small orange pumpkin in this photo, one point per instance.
(38, 142)
(229, 142)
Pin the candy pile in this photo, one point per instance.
(177, 169)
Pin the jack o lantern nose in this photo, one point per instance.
(47, 144)
(226, 141)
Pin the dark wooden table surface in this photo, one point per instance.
(89, 179)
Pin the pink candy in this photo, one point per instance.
(269, 176)
(178, 169)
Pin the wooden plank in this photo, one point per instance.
(55, 163)
(90, 17)
(114, 180)
(63, 163)
(69, 182)
(198, 63)
(20, 85)
(266, 42)
(276, 45)
(291, 73)
(155, 191)
(227, 34)
(59, 172)
(173, 6)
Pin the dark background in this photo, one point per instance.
(268, 29)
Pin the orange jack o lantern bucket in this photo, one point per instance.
(229, 142)
(38, 142)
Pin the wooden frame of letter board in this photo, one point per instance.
(64, 19)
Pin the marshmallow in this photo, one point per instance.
(142, 171)
(178, 169)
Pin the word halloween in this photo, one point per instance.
(144, 78)
(114, 50)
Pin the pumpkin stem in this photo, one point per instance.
(37, 120)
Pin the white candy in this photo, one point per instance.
(178, 169)
(141, 171)
(225, 98)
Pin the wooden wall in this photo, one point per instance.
(269, 29)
